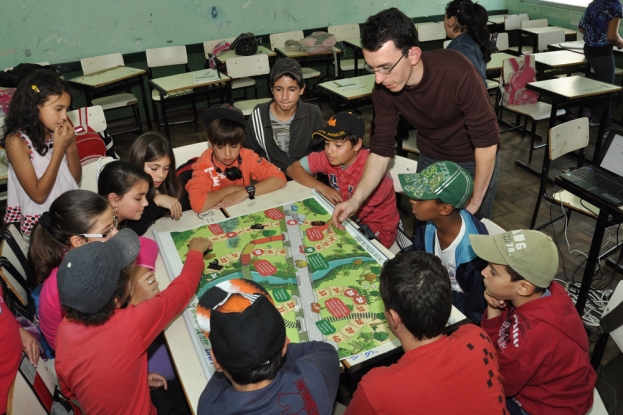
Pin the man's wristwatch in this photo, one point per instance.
(251, 192)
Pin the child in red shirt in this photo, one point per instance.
(343, 160)
(222, 175)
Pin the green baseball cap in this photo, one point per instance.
(443, 180)
(531, 254)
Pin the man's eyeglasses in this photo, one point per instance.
(383, 70)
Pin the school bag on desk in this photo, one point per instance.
(317, 42)
(245, 44)
(91, 145)
(516, 73)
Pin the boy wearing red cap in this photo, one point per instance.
(343, 161)
(226, 174)
(258, 371)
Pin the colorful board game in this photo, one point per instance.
(324, 281)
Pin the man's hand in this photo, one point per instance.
(343, 211)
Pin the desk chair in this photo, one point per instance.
(91, 172)
(110, 102)
(238, 83)
(533, 23)
(513, 21)
(243, 66)
(91, 117)
(538, 111)
(345, 32)
(164, 57)
(278, 40)
(549, 38)
(184, 153)
(17, 284)
(430, 31)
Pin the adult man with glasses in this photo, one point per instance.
(441, 95)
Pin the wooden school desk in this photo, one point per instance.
(561, 62)
(573, 90)
(104, 82)
(189, 369)
(497, 61)
(346, 91)
(182, 85)
(536, 31)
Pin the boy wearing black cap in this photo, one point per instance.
(281, 130)
(223, 175)
(539, 337)
(439, 194)
(101, 345)
(343, 160)
(258, 370)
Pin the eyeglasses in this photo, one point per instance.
(383, 70)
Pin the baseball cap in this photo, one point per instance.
(245, 329)
(531, 254)
(443, 180)
(225, 112)
(340, 125)
(284, 66)
(89, 274)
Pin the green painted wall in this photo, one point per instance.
(68, 30)
(555, 15)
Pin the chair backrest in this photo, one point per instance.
(400, 165)
(513, 21)
(549, 38)
(14, 263)
(278, 40)
(430, 31)
(502, 42)
(185, 153)
(567, 137)
(492, 227)
(208, 46)
(253, 65)
(170, 55)
(534, 23)
(345, 31)
(98, 63)
(446, 43)
(96, 119)
(91, 172)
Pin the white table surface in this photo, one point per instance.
(351, 88)
(546, 29)
(107, 76)
(184, 80)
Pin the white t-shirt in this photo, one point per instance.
(448, 257)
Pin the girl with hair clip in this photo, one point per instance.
(41, 148)
(78, 217)
(153, 153)
(466, 24)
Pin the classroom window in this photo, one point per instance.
(580, 4)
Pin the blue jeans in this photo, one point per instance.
(604, 72)
(487, 203)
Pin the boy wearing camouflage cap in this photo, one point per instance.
(539, 337)
(439, 194)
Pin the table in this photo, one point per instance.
(573, 90)
(605, 209)
(118, 78)
(536, 31)
(563, 61)
(357, 48)
(223, 56)
(303, 56)
(497, 61)
(182, 85)
(347, 90)
(496, 19)
(189, 369)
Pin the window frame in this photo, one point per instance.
(557, 5)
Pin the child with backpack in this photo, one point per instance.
(41, 148)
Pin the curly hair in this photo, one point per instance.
(390, 24)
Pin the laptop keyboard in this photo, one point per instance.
(610, 186)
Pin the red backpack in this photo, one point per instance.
(514, 81)
(91, 145)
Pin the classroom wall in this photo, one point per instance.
(555, 15)
(68, 30)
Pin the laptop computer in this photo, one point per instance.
(604, 178)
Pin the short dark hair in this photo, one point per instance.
(271, 83)
(120, 176)
(222, 132)
(260, 374)
(109, 308)
(515, 276)
(417, 287)
(390, 24)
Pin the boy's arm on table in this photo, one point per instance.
(298, 173)
(200, 193)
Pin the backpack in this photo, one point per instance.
(222, 46)
(6, 95)
(513, 81)
(245, 44)
(13, 77)
(91, 145)
(317, 42)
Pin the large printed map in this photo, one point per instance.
(324, 281)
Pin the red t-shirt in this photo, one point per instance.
(457, 374)
(105, 367)
(10, 351)
(379, 211)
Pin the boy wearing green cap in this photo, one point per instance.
(439, 194)
(539, 337)
(343, 161)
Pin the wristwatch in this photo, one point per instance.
(251, 192)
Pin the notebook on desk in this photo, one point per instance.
(604, 179)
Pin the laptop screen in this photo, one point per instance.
(613, 157)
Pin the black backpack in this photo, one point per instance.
(12, 78)
(245, 45)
